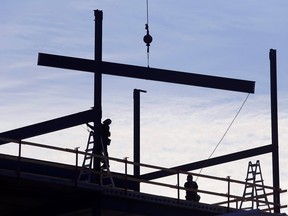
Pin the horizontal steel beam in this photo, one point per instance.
(48, 126)
(153, 74)
(210, 162)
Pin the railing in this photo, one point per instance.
(231, 200)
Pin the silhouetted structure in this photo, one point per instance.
(99, 67)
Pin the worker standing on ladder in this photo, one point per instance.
(105, 134)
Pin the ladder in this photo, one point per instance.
(85, 173)
(105, 174)
(254, 191)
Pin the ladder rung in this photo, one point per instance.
(262, 200)
(249, 179)
(85, 162)
(247, 194)
(261, 205)
(258, 189)
(247, 208)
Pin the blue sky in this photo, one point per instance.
(221, 38)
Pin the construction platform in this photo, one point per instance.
(35, 187)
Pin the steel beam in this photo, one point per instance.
(274, 129)
(153, 74)
(136, 100)
(48, 126)
(97, 96)
(210, 162)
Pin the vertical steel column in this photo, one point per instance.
(178, 186)
(228, 193)
(97, 91)
(97, 208)
(274, 129)
(136, 97)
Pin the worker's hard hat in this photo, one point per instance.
(107, 121)
(189, 177)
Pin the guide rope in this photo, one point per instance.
(226, 130)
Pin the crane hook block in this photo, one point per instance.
(147, 38)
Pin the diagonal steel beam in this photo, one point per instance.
(48, 126)
(210, 162)
(154, 74)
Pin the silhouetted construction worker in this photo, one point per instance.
(190, 184)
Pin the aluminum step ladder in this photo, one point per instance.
(85, 173)
(254, 195)
(105, 174)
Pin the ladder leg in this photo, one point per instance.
(106, 176)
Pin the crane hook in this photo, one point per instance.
(147, 38)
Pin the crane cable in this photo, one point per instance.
(147, 38)
(147, 12)
(226, 131)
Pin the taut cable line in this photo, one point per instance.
(230, 125)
